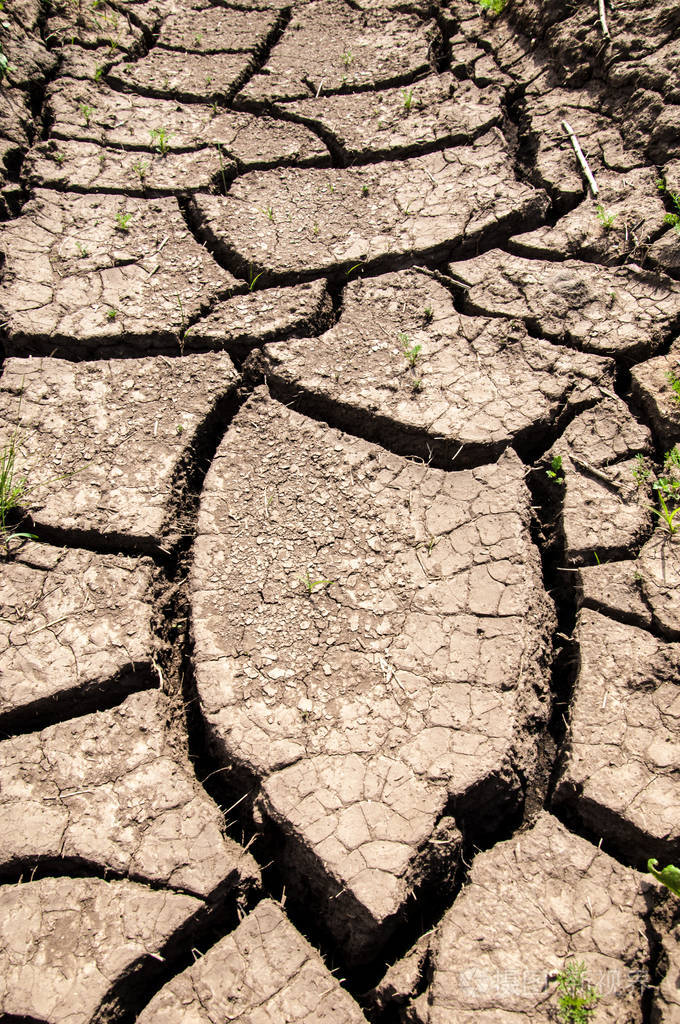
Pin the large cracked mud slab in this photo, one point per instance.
(370, 643)
(328, 46)
(620, 223)
(117, 791)
(216, 30)
(652, 386)
(66, 943)
(93, 27)
(87, 274)
(620, 772)
(531, 905)
(608, 310)
(420, 377)
(74, 626)
(294, 220)
(604, 504)
(204, 78)
(136, 122)
(263, 971)
(436, 110)
(101, 444)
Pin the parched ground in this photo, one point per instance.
(340, 576)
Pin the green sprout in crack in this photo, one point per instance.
(407, 95)
(555, 471)
(253, 278)
(311, 584)
(674, 382)
(667, 488)
(641, 471)
(112, 314)
(577, 999)
(347, 58)
(160, 137)
(411, 352)
(605, 219)
(87, 111)
(123, 221)
(494, 6)
(13, 491)
(428, 314)
(668, 876)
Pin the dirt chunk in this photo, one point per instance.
(88, 274)
(609, 310)
(614, 588)
(73, 625)
(100, 443)
(264, 970)
(65, 943)
(409, 370)
(327, 219)
(116, 790)
(658, 566)
(620, 776)
(217, 30)
(532, 905)
(436, 110)
(370, 641)
(126, 119)
(328, 46)
(554, 161)
(87, 167)
(196, 77)
(666, 1006)
(621, 222)
(652, 386)
(240, 323)
(93, 27)
(605, 510)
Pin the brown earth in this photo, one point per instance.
(340, 594)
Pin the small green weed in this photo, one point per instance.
(364, 190)
(87, 111)
(123, 221)
(605, 219)
(98, 72)
(160, 137)
(671, 218)
(495, 6)
(674, 382)
(667, 488)
(83, 251)
(112, 314)
(428, 314)
(253, 278)
(411, 352)
(347, 58)
(311, 584)
(13, 490)
(59, 157)
(577, 998)
(417, 384)
(555, 471)
(408, 99)
(140, 167)
(669, 876)
(641, 470)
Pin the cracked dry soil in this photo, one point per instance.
(340, 679)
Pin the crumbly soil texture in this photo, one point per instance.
(339, 557)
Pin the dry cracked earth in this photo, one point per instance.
(340, 674)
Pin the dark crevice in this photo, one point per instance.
(137, 986)
(77, 701)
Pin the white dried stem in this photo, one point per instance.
(603, 19)
(581, 158)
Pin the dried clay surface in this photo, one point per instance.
(115, 789)
(264, 971)
(66, 942)
(90, 425)
(369, 641)
(339, 510)
(73, 625)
